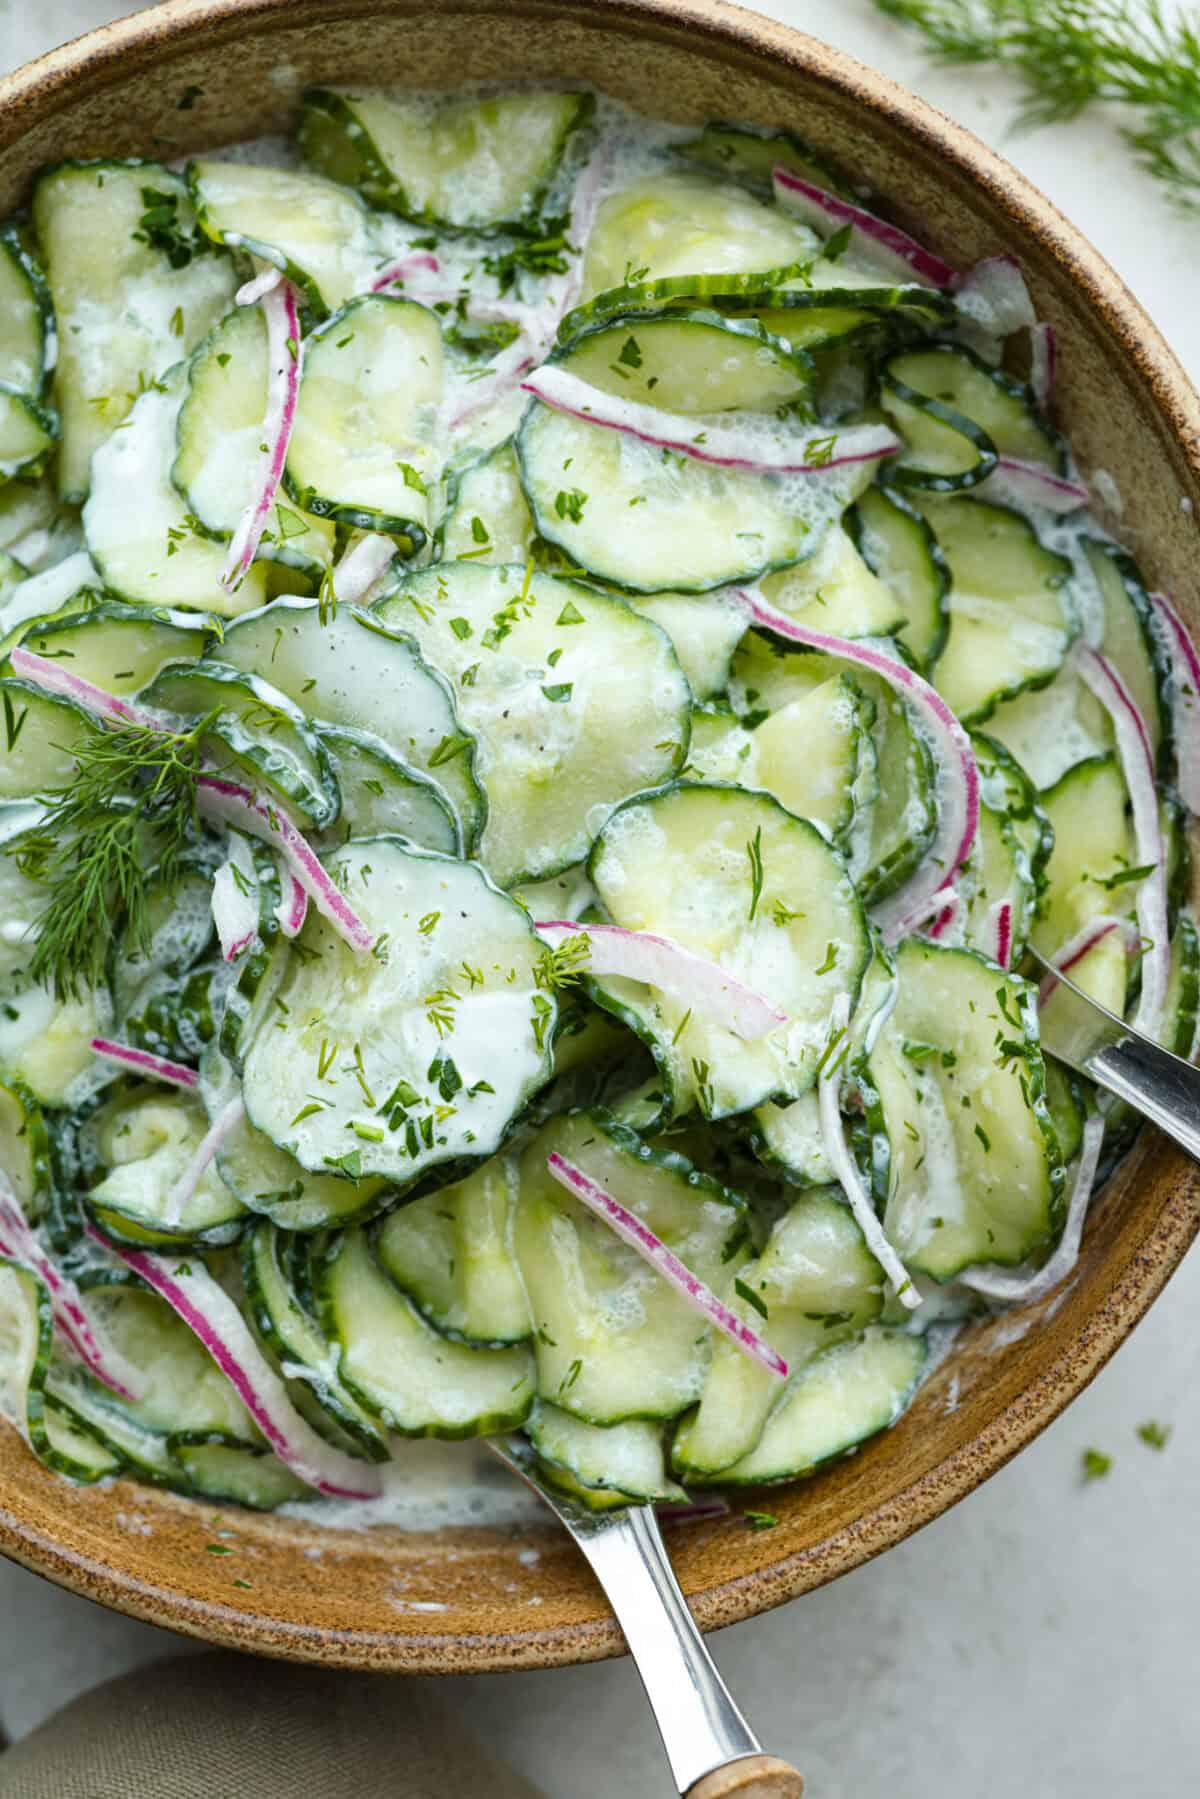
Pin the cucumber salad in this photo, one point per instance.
(554, 667)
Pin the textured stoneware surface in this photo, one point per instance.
(357, 1599)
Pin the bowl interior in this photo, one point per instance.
(458, 1598)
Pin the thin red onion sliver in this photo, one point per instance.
(1043, 364)
(18, 1239)
(413, 263)
(141, 1061)
(630, 1228)
(1019, 1289)
(1137, 765)
(251, 292)
(362, 567)
(999, 932)
(1028, 483)
(660, 962)
(1185, 697)
(994, 295)
(886, 242)
(842, 1162)
(234, 910)
(237, 805)
(946, 917)
(52, 677)
(283, 387)
(201, 1161)
(958, 807)
(726, 446)
(292, 909)
(207, 1310)
(1072, 952)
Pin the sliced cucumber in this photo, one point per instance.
(958, 414)
(361, 450)
(469, 164)
(71, 1448)
(688, 361)
(487, 518)
(449, 1251)
(119, 648)
(46, 1044)
(747, 153)
(28, 345)
(231, 1472)
(219, 436)
(348, 668)
(185, 1393)
(26, 1340)
(315, 231)
(836, 590)
(132, 294)
(896, 542)
(1086, 874)
(1131, 642)
(814, 1283)
(734, 876)
(263, 731)
(1050, 729)
(574, 700)
(704, 629)
(265, 1179)
(37, 742)
(652, 522)
(789, 1138)
(395, 1062)
(416, 1382)
(151, 552)
(613, 1340)
(844, 1396)
(150, 1146)
(28, 434)
(625, 1458)
(964, 1154)
(1011, 621)
(383, 797)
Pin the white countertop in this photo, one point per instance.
(1034, 1641)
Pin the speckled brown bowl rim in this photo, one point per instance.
(84, 66)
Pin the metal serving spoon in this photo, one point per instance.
(1095, 1042)
(712, 1750)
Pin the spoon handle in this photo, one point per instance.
(712, 1751)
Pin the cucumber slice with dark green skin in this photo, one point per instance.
(25, 1156)
(625, 1458)
(574, 701)
(748, 154)
(149, 1145)
(38, 734)
(478, 165)
(652, 524)
(125, 268)
(687, 862)
(1093, 853)
(613, 1340)
(361, 449)
(133, 1445)
(946, 452)
(62, 1443)
(788, 1140)
(487, 517)
(45, 1043)
(1183, 990)
(263, 731)
(964, 1156)
(270, 1182)
(1011, 620)
(218, 447)
(383, 797)
(1004, 785)
(292, 1337)
(179, 931)
(315, 231)
(395, 1063)
(836, 1402)
(814, 1283)
(232, 1473)
(259, 973)
(28, 345)
(449, 1251)
(28, 435)
(897, 543)
(26, 506)
(704, 629)
(690, 361)
(72, 1448)
(417, 1383)
(118, 648)
(1131, 642)
(349, 668)
(1048, 730)
(952, 377)
(836, 590)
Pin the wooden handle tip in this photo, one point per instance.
(750, 1777)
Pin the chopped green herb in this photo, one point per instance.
(1095, 1464)
(1153, 1434)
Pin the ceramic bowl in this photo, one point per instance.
(472, 1599)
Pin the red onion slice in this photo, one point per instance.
(1043, 365)
(362, 567)
(754, 444)
(234, 909)
(1077, 947)
(659, 962)
(1020, 1289)
(251, 292)
(414, 262)
(886, 243)
(630, 1228)
(202, 1160)
(958, 801)
(1029, 484)
(140, 1061)
(283, 388)
(238, 806)
(1185, 697)
(292, 909)
(994, 295)
(207, 1310)
(999, 932)
(52, 677)
(842, 1162)
(19, 1240)
(1137, 765)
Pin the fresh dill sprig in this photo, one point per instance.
(1069, 54)
(133, 789)
(562, 964)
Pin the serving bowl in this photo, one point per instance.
(469, 1599)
